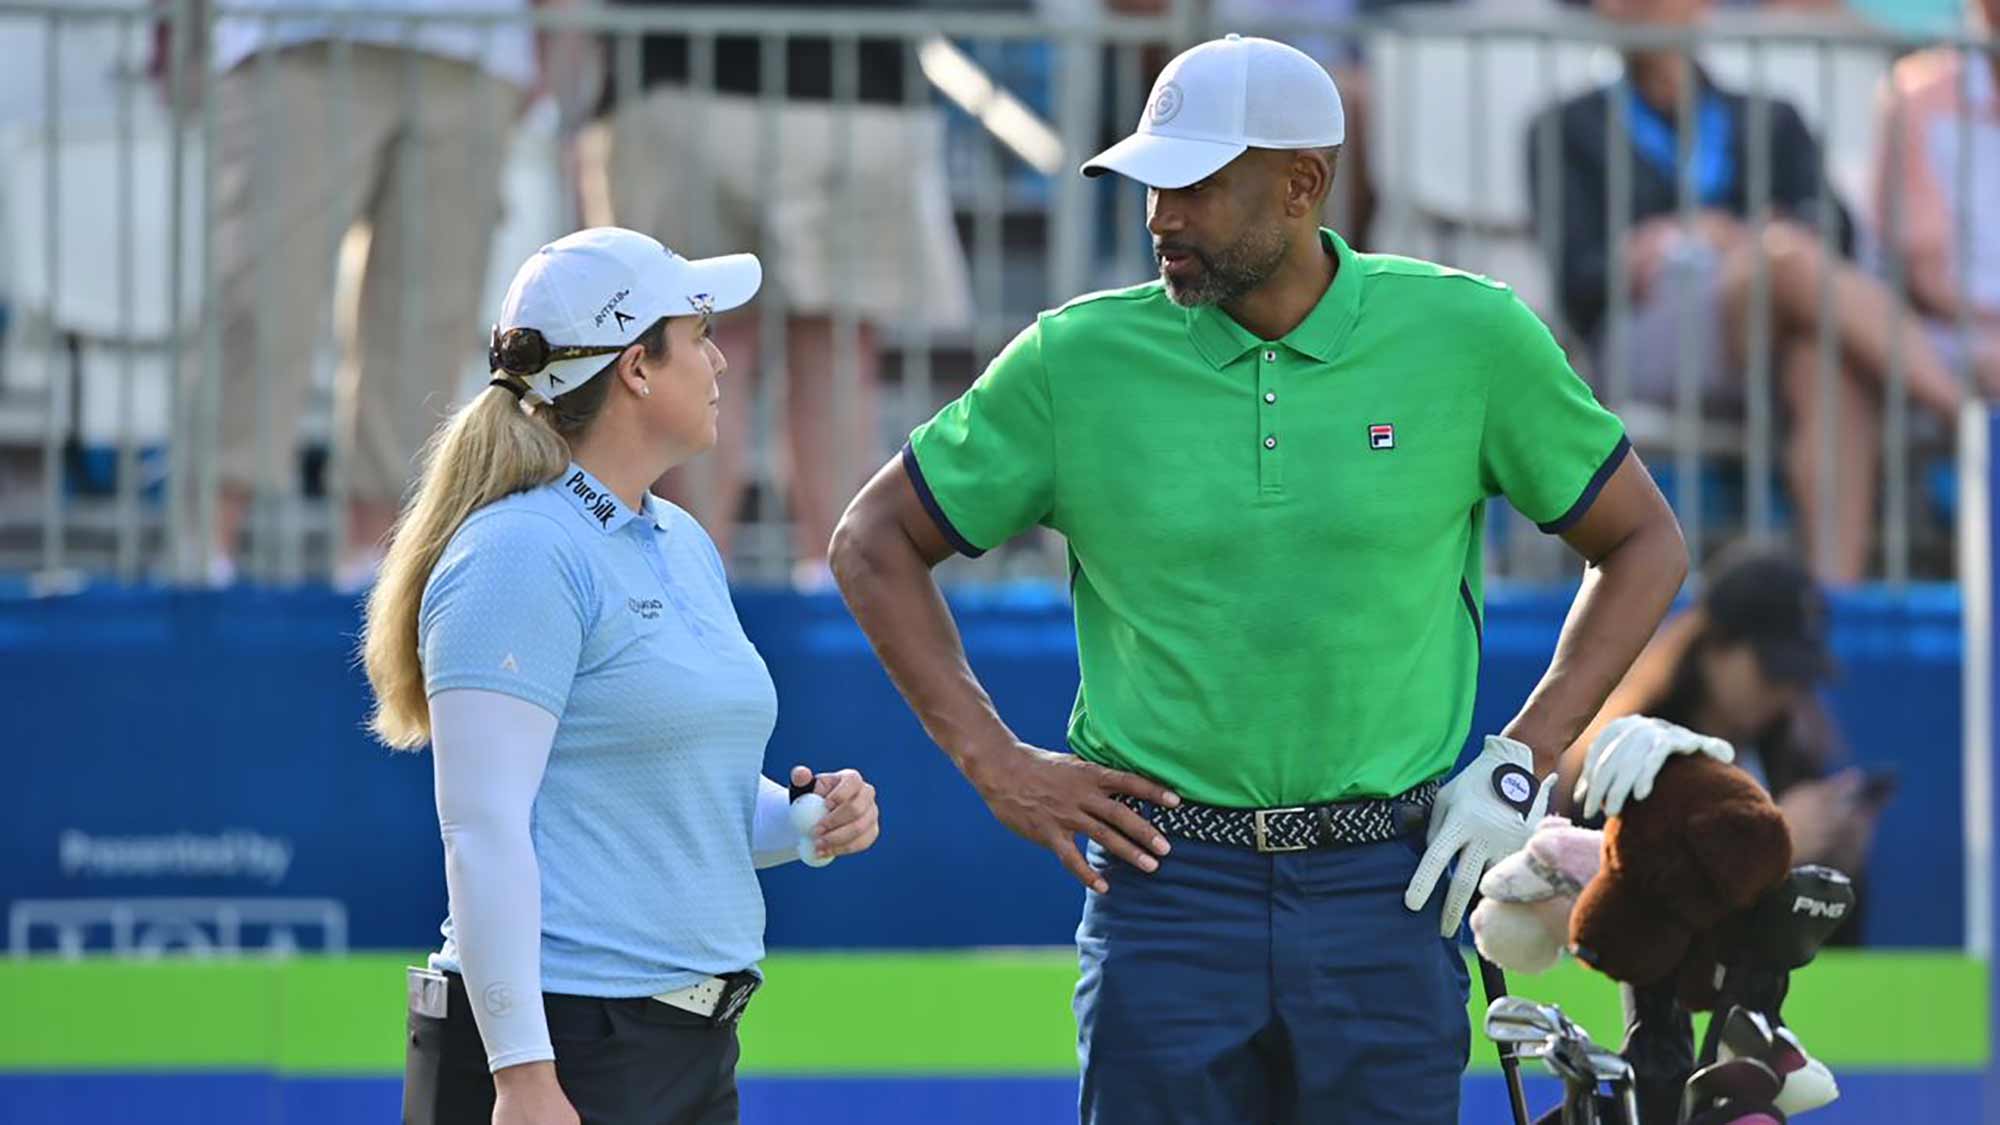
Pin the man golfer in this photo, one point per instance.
(1271, 467)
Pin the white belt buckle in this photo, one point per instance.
(699, 998)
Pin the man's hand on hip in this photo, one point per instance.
(1482, 816)
(1051, 798)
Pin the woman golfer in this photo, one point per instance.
(566, 644)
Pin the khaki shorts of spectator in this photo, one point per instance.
(870, 225)
(423, 140)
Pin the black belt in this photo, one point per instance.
(1370, 820)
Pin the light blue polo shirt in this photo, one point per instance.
(620, 624)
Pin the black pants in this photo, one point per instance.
(620, 1062)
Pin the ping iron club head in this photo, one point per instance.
(1517, 1019)
(1573, 1061)
(1609, 1065)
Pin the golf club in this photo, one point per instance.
(1747, 1033)
(1494, 981)
(1517, 1019)
(1746, 1080)
(1569, 1059)
(1613, 1068)
(1542, 1031)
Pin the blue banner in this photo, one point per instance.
(209, 747)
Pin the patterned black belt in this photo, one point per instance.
(1370, 820)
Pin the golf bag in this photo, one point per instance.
(1756, 952)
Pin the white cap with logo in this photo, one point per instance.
(592, 293)
(1219, 99)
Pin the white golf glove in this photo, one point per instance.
(1627, 756)
(1482, 816)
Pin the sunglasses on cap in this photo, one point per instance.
(522, 352)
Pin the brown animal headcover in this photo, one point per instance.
(1706, 843)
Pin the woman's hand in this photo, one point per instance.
(852, 822)
(1829, 821)
(529, 1094)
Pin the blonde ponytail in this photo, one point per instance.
(487, 451)
(490, 449)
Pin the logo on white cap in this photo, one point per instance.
(1166, 102)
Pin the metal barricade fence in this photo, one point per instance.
(132, 282)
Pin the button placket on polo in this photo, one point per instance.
(1270, 441)
(648, 540)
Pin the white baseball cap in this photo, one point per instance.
(1220, 99)
(591, 294)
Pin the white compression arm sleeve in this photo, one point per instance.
(489, 751)
(773, 840)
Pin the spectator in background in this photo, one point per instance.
(1934, 88)
(425, 117)
(693, 169)
(1710, 265)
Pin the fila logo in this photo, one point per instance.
(1814, 908)
(1381, 437)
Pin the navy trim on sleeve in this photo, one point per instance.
(958, 542)
(1472, 611)
(1598, 480)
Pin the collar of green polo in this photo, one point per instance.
(1222, 341)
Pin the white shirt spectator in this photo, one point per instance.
(504, 50)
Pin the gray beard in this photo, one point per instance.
(1231, 274)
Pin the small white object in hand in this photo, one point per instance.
(806, 813)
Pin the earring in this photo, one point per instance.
(645, 391)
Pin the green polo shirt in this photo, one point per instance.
(1274, 545)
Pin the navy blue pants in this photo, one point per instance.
(1232, 987)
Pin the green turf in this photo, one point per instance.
(960, 1012)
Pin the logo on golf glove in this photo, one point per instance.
(1515, 786)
